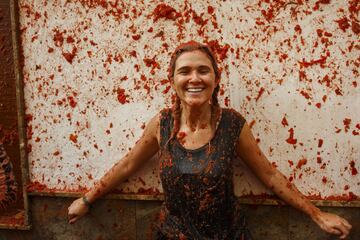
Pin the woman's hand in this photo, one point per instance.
(333, 224)
(76, 210)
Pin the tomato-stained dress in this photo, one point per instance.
(198, 184)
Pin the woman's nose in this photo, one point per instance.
(194, 76)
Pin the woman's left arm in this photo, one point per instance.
(251, 154)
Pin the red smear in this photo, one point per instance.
(301, 163)
(305, 94)
(210, 9)
(291, 139)
(298, 29)
(70, 56)
(318, 105)
(347, 122)
(58, 38)
(227, 101)
(136, 37)
(70, 39)
(338, 92)
(121, 96)
(72, 101)
(355, 27)
(353, 169)
(324, 179)
(165, 11)
(343, 23)
(317, 4)
(291, 163)
(56, 153)
(306, 64)
(73, 138)
(318, 159)
(220, 51)
(181, 136)
(35, 187)
(261, 91)
(320, 143)
(50, 50)
(284, 122)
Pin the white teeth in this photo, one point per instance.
(194, 89)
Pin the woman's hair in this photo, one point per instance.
(176, 109)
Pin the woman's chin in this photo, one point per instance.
(196, 103)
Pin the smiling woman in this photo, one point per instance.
(198, 141)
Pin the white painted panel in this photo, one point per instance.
(289, 69)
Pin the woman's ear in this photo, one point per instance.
(172, 83)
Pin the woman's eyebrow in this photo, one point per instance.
(187, 68)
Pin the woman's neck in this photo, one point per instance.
(196, 118)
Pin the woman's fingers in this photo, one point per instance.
(72, 218)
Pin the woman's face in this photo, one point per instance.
(194, 78)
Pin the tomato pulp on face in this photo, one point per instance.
(194, 78)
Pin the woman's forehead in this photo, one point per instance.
(193, 58)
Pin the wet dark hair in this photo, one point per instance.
(176, 108)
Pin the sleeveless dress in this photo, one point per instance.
(198, 184)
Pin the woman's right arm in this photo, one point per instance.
(144, 149)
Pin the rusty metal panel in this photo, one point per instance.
(95, 72)
(13, 196)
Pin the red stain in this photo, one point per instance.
(56, 153)
(70, 56)
(291, 139)
(298, 29)
(343, 23)
(324, 179)
(353, 169)
(35, 187)
(355, 27)
(318, 105)
(136, 37)
(165, 11)
(320, 143)
(291, 163)
(305, 94)
(301, 163)
(306, 64)
(284, 122)
(121, 96)
(226, 101)
(317, 4)
(261, 91)
(210, 9)
(220, 51)
(73, 138)
(181, 136)
(347, 122)
(58, 38)
(72, 101)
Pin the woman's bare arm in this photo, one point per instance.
(251, 154)
(144, 149)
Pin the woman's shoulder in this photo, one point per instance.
(233, 113)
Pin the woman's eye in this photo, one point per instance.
(203, 71)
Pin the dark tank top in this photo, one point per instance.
(198, 184)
